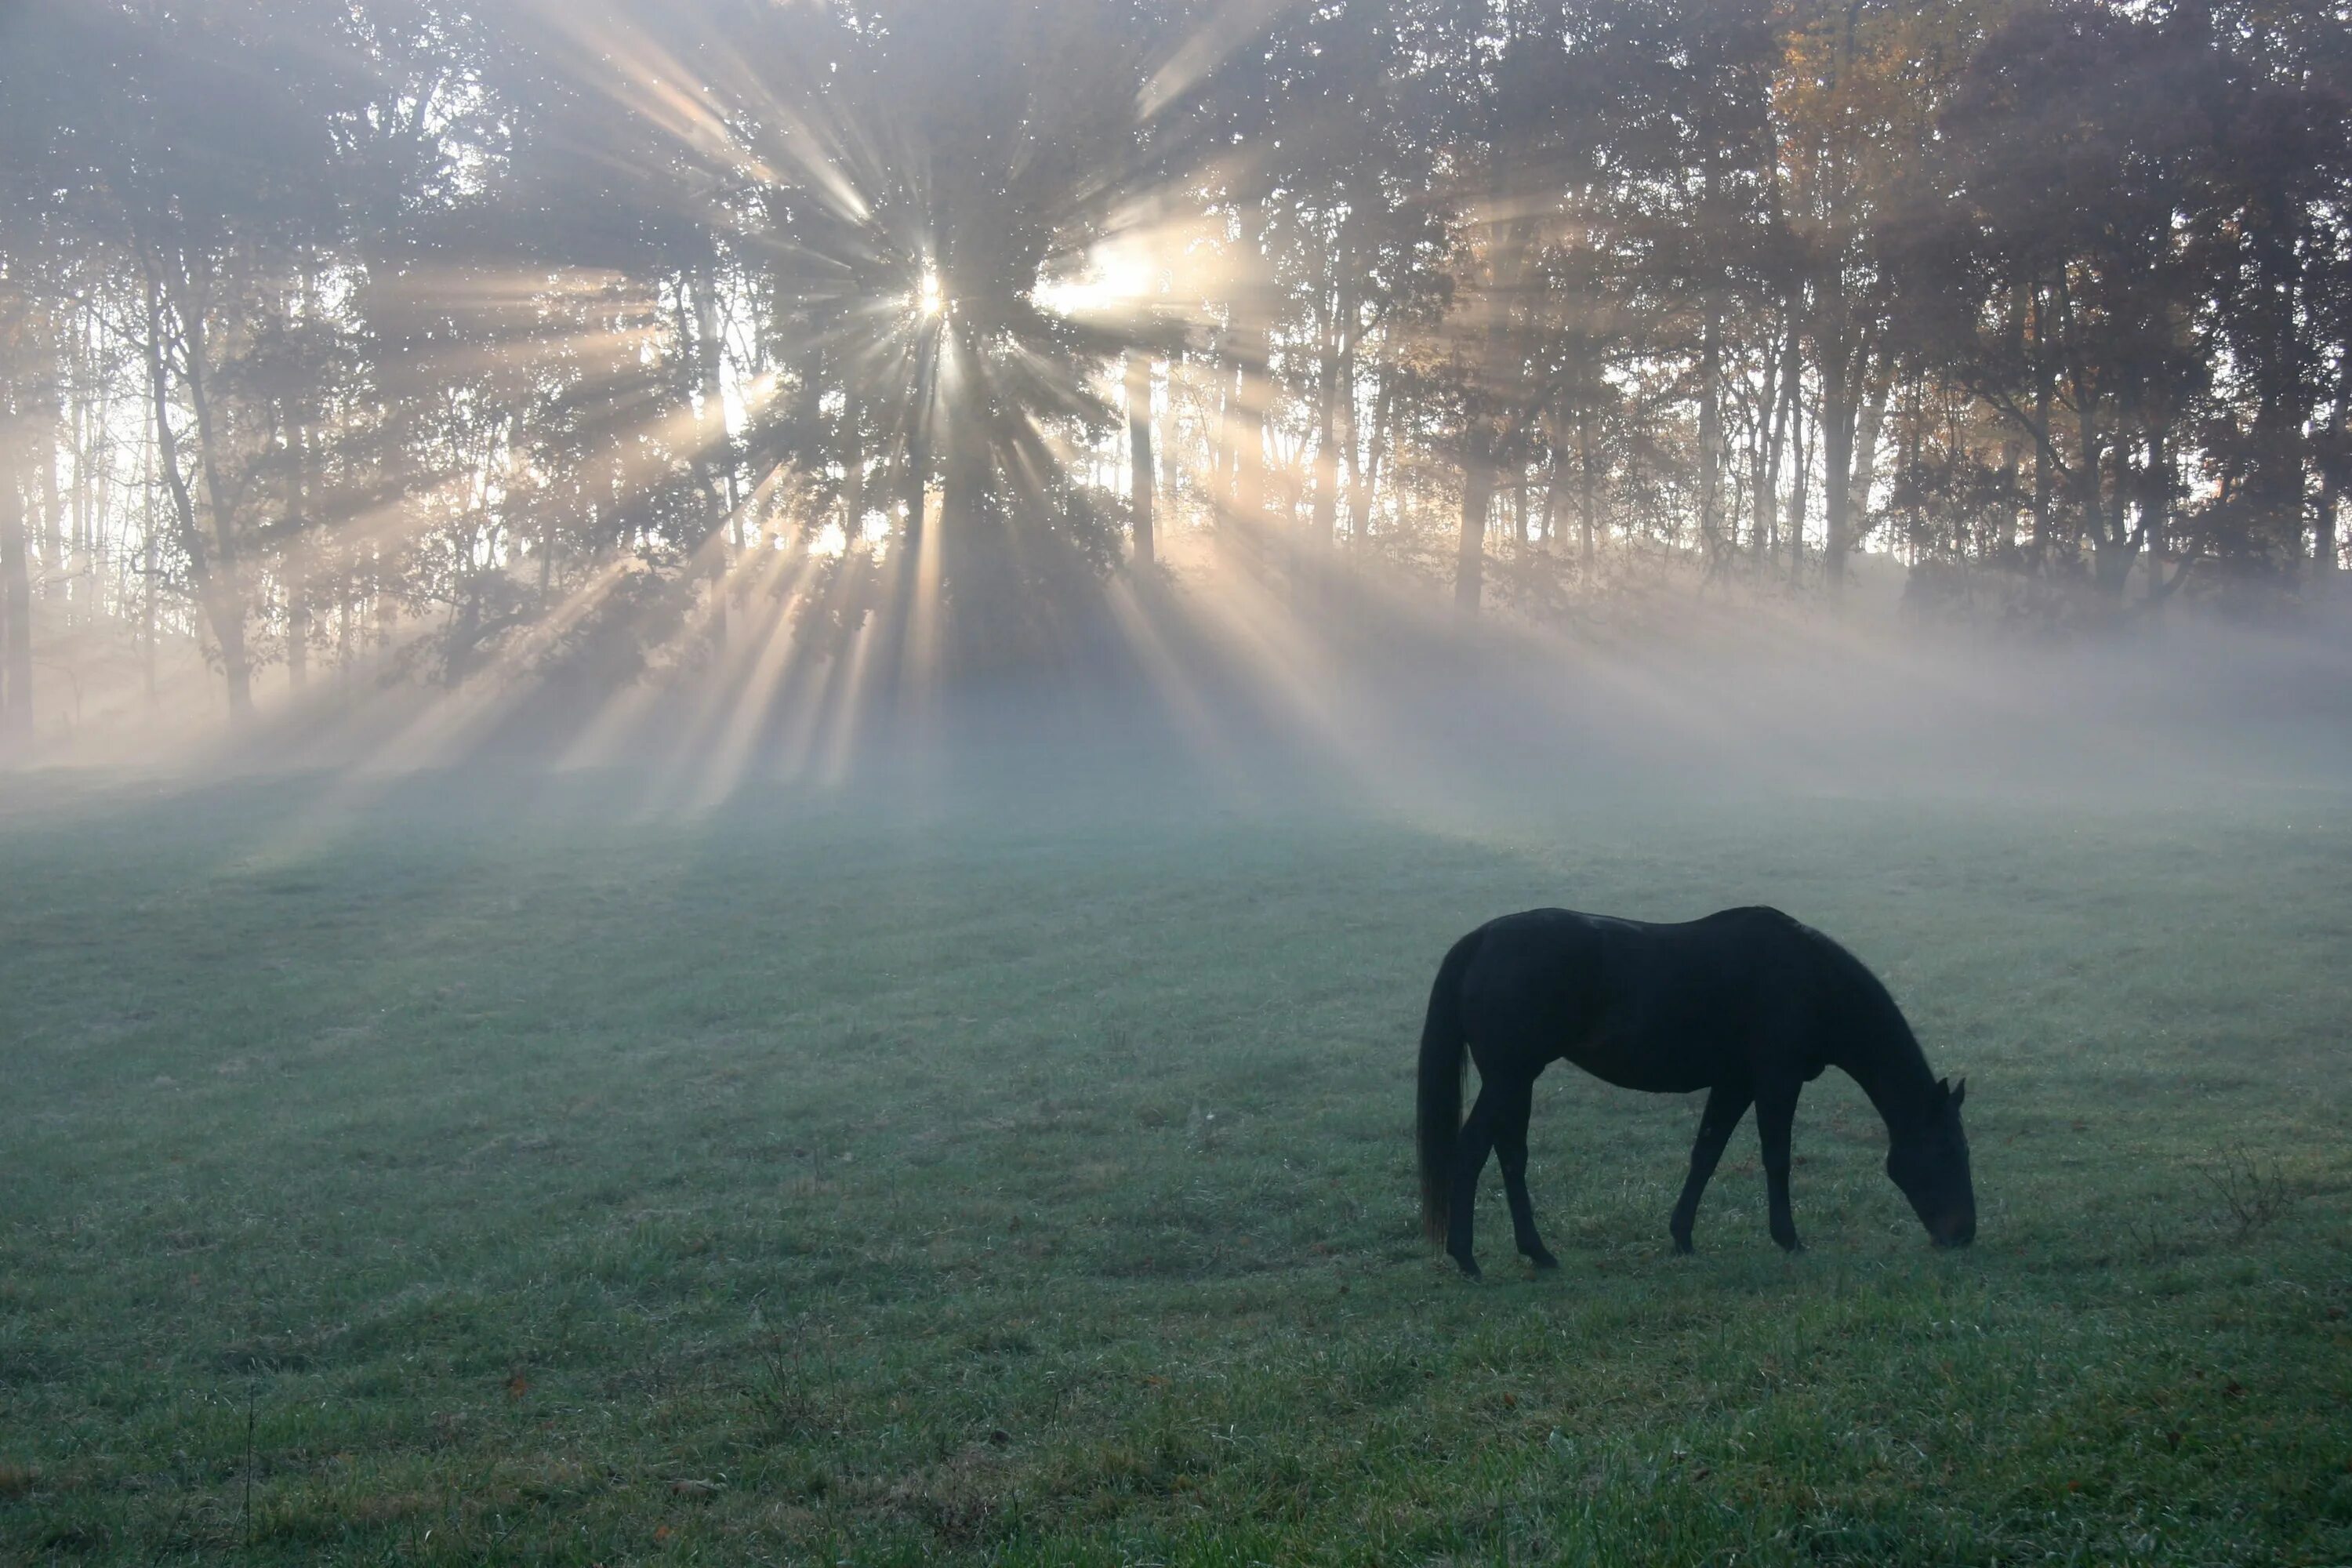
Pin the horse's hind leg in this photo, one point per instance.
(1776, 1114)
(1511, 1149)
(1726, 1104)
(1470, 1150)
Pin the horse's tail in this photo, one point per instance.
(1443, 1050)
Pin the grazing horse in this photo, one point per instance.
(1749, 1005)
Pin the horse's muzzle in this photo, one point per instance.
(1957, 1234)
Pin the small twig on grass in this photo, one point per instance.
(171, 1530)
(779, 1392)
(248, 1469)
(2254, 1194)
(2153, 1239)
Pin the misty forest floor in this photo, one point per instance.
(475, 1184)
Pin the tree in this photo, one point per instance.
(2056, 289)
(489, 342)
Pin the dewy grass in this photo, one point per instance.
(804, 1186)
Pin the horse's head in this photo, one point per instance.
(1930, 1164)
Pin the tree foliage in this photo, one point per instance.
(432, 336)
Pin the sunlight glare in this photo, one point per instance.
(1114, 276)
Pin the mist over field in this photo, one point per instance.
(1371, 697)
(745, 749)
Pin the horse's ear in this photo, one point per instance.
(1944, 1089)
(1959, 1093)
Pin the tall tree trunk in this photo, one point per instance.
(1326, 515)
(2044, 474)
(2328, 547)
(1555, 474)
(1588, 483)
(914, 484)
(1800, 488)
(2117, 545)
(1842, 371)
(2331, 484)
(382, 603)
(1910, 451)
(1351, 462)
(1481, 419)
(1711, 453)
(970, 551)
(147, 568)
(1218, 434)
(714, 453)
(1711, 429)
(914, 454)
(2005, 539)
(1477, 492)
(1779, 385)
(2086, 521)
(212, 564)
(1249, 450)
(1485, 412)
(546, 541)
(1143, 478)
(1253, 323)
(81, 480)
(48, 422)
(1487, 401)
(1837, 486)
(227, 607)
(1871, 422)
(711, 352)
(15, 590)
(1365, 501)
(93, 468)
(2155, 508)
(853, 469)
(295, 559)
(2275, 480)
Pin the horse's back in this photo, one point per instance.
(1665, 1008)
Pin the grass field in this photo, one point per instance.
(475, 1184)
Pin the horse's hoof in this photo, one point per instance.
(1542, 1259)
(1683, 1246)
(1469, 1267)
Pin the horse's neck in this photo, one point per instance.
(1892, 1071)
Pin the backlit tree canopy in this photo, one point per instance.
(447, 337)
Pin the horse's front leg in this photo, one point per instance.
(1776, 1113)
(1470, 1151)
(1511, 1149)
(1726, 1104)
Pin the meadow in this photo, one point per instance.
(497, 1175)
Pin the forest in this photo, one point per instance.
(443, 341)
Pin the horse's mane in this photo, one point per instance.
(1863, 1013)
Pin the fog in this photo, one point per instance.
(1362, 693)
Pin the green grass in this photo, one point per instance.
(484, 1183)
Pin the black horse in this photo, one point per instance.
(1747, 1005)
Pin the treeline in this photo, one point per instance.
(425, 334)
